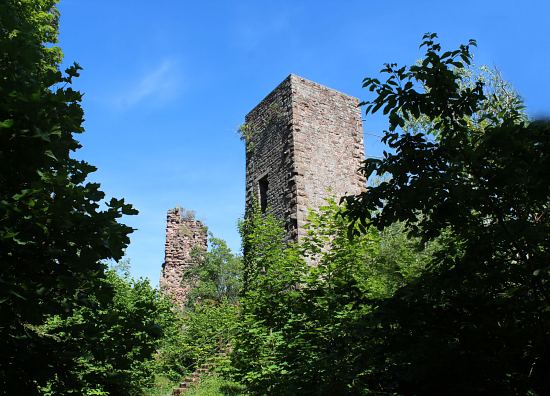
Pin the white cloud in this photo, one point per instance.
(158, 85)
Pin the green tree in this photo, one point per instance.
(478, 321)
(309, 329)
(113, 342)
(501, 101)
(217, 275)
(207, 325)
(197, 337)
(53, 235)
(272, 271)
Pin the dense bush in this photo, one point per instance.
(308, 329)
(69, 325)
(206, 326)
(112, 343)
(196, 336)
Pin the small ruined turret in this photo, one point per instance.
(184, 233)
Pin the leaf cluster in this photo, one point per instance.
(197, 337)
(111, 344)
(216, 274)
(305, 326)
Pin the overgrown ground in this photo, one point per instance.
(212, 385)
(217, 386)
(162, 387)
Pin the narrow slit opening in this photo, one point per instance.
(263, 187)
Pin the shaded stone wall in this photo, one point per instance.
(269, 154)
(183, 234)
(307, 140)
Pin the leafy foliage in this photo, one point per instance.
(53, 235)
(246, 134)
(218, 274)
(443, 288)
(217, 386)
(207, 326)
(477, 322)
(196, 336)
(271, 275)
(501, 101)
(112, 342)
(307, 329)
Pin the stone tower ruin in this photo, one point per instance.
(304, 143)
(183, 234)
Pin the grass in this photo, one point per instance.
(211, 385)
(214, 385)
(162, 387)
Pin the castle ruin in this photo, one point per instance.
(304, 144)
(183, 234)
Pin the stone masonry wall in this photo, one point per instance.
(308, 140)
(269, 153)
(183, 233)
(328, 145)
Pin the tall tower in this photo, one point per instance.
(304, 143)
(183, 234)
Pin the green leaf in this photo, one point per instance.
(49, 153)
(6, 123)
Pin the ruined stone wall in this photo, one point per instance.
(183, 233)
(308, 140)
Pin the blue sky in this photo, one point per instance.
(166, 84)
